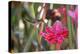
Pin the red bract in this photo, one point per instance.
(74, 15)
(63, 11)
(56, 33)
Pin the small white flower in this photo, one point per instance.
(21, 25)
(45, 20)
(41, 14)
(37, 25)
(39, 8)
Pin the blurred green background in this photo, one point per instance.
(26, 23)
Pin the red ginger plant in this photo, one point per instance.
(55, 34)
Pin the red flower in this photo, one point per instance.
(73, 14)
(56, 33)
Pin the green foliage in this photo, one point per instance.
(31, 32)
